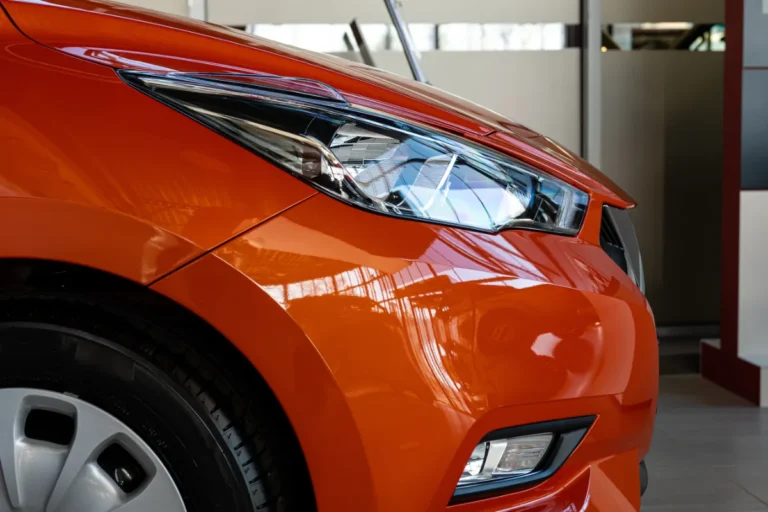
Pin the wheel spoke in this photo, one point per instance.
(11, 403)
(38, 468)
(56, 474)
(92, 433)
(159, 494)
(93, 491)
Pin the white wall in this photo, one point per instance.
(241, 12)
(179, 7)
(538, 89)
(753, 292)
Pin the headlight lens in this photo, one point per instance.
(369, 160)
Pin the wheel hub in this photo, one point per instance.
(61, 454)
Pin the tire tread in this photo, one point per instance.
(244, 423)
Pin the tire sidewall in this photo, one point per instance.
(116, 377)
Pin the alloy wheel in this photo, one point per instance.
(61, 454)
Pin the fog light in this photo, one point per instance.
(517, 457)
(504, 458)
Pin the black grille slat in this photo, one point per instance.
(608, 232)
(610, 241)
(619, 241)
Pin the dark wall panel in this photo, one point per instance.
(754, 123)
(755, 34)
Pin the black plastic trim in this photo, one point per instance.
(628, 249)
(610, 241)
(568, 435)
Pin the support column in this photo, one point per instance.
(739, 360)
(198, 9)
(591, 81)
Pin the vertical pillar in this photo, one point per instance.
(198, 9)
(591, 80)
(739, 362)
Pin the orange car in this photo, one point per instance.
(241, 277)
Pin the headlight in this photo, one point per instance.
(370, 160)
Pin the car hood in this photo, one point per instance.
(131, 38)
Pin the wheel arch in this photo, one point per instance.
(208, 296)
(289, 362)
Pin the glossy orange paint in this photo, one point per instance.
(425, 338)
(85, 157)
(394, 346)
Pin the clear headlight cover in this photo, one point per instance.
(369, 160)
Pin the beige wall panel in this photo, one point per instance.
(634, 11)
(179, 7)
(237, 12)
(662, 140)
(538, 89)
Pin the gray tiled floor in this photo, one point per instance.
(710, 451)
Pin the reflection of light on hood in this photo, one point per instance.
(466, 275)
(545, 344)
(519, 284)
(310, 242)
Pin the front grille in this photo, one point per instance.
(619, 241)
(608, 233)
(610, 241)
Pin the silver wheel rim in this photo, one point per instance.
(42, 476)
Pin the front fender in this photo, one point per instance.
(98, 238)
(297, 374)
(95, 173)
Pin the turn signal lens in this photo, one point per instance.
(505, 458)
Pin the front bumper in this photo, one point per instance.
(598, 488)
(601, 476)
(433, 337)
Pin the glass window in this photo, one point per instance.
(666, 36)
(426, 36)
(502, 36)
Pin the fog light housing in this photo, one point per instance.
(505, 457)
(519, 456)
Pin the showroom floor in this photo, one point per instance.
(710, 451)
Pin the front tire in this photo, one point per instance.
(211, 423)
